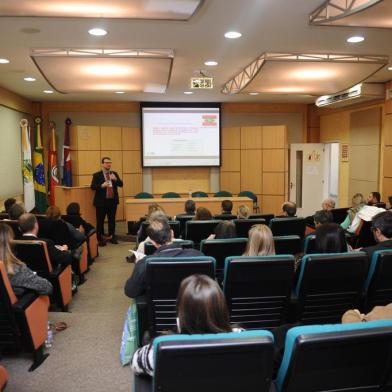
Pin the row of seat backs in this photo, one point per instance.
(258, 289)
(331, 358)
(24, 320)
(146, 195)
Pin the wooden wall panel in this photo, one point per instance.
(131, 139)
(275, 136)
(231, 161)
(388, 130)
(388, 161)
(273, 183)
(230, 181)
(86, 162)
(117, 159)
(274, 160)
(272, 204)
(120, 210)
(111, 138)
(85, 137)
(132, 162)
(133, 184)
(231, 138)
(387, 188)
(251, 169)
(251, 138)
(82, 180)
(180, 179)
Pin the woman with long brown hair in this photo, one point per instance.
(21, 277)
(201, 308)
(261, 242)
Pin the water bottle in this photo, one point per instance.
(49, 339)
(190, 194)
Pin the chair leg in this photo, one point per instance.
(38, 358)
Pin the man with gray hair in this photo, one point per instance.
(328, 204)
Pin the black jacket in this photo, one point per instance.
(384, 245)
(100, 193)
(136, 285)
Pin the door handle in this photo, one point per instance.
(291, 185)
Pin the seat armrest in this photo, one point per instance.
(27, 299)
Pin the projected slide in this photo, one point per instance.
(181, 136)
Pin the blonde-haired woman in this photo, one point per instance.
(21, 277)
(358, 202)
(261, 242)
(243, 212)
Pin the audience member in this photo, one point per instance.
(203, 213)
(377, 313)
(224, 229)
(8, 204)
(382, 232)
(75, 219)
(151, 208)
(201, 309)
(190, 207)
(29, 227)
(328, 204)
(330, 238)
(16, 210)
(322, 216)
(261, 242)
(161, 236)
(389, 202)
(289, 209)
(227, 206)
(357, 203)
(373, 199)
(21, 277)
(243, 212)
(151, 218)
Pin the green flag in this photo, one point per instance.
(41, 201)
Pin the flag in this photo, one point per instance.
(41, 201)
(52, 176)
(67, 164)
(27, 169)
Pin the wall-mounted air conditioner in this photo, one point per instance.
(361, 92)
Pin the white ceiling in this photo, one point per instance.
(266, 26)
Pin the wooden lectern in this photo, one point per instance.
(83, 195)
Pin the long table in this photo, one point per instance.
(136, 208)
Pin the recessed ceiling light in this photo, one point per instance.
(48, 91)
(355, 39)
(211, 63)
(97, 32)
(233, 34)
(253, 93)
(188, 92)
(120, 92)
(390, 68)
(4, 61)
(29, 79)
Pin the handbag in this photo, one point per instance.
(130, 336)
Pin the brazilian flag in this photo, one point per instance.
(41, 201)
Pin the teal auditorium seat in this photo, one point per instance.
(287, 244)
(288, 226)
(199, 194)
(149, 248)
(171, 195)
(252, 196)
(242, 226)
(378, 284)
(328, 285)
(258, 289)
(223, 194)
(144, 195)
(337, 358)
(211, 362)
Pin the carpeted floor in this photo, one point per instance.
(84, 357)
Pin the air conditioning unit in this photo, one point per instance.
(361, 92)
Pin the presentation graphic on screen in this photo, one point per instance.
(181, 136)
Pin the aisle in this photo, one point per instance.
(85, 357)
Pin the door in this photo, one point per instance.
(314, 171)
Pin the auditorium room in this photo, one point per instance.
(195, 195)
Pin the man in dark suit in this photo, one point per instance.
(105, 184)
(58, 254)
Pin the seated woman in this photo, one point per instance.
(224, 229)
(21, 277)
(358, 202)
(203, 213)
(330, 238)
(243, 212)
(201, 308)
(75, 219)
(261, 242)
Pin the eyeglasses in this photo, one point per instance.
(107, 161)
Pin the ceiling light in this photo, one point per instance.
(355, 39)
(48, 91)
(313, 74)
(4, 61)
(120, 92)
(97, 32)
(233, 34)
(107, 68)
(29, 79)
(390, 68)
(253, 93)
(211, 63)
(188, 92)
